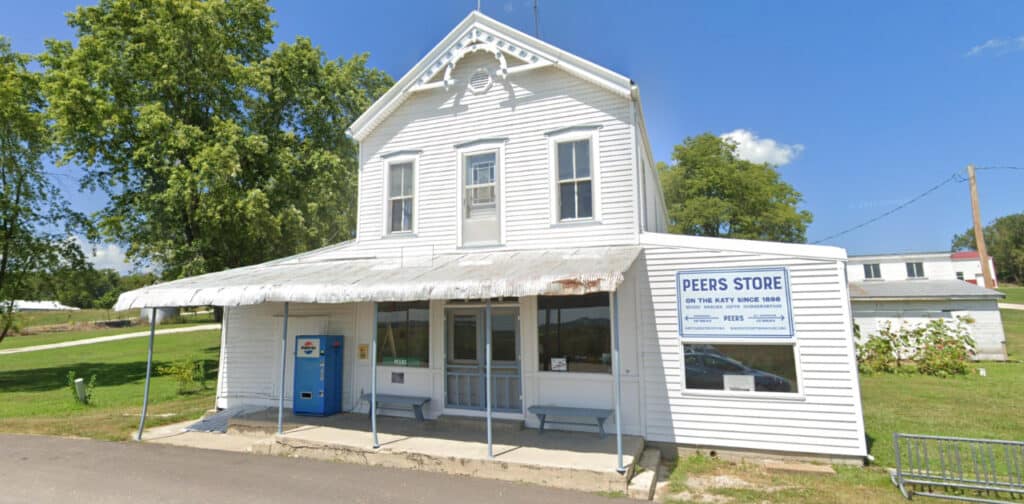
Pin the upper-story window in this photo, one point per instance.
(400, 197)
(959, 275)
(872, 271)
(575, 180)
(915, 270)
(480, 164)
(481, 185)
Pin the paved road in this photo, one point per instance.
(45, 469)
(104, 339)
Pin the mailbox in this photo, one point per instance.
(318, 365)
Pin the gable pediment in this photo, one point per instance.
(513, 51)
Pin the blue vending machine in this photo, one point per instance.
(317, 375)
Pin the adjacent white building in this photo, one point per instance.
(915, 288)
(507, 184)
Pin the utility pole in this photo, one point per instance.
(979, 232)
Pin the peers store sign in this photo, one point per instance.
(734, 303)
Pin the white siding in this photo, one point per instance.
(250, 370)
(522, 110)
(987, 329)
(826, 416)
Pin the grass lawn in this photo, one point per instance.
(45, 318)
(967, 406)
(1014, 294)
(35, 399)
(60, 337)
(1013, 324)
(42, 318)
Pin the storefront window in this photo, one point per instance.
(403, 334)
(575, 333)
(747, 368)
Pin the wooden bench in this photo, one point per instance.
(543, 411)
(400, 400)
(973, 470)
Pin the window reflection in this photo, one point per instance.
(577, 329)
(753, 368)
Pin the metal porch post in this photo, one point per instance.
(373, 375)
(617, 371)
(487, 349)
(284, 361)
(149, 373)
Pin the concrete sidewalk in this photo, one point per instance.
(105, 339)
(1011, 306)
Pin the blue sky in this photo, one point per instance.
(868, 103)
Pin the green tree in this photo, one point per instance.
(216, 152)
(711, 192)
(35, 222)
(1004, 239)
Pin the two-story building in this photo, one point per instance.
(912, 289)
(508, 195)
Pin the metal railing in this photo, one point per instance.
(972, 470)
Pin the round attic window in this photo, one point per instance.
(480, 81)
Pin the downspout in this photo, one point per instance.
(373, 376)
(617, 391)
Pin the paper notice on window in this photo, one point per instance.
(559, 364)
(743, 383)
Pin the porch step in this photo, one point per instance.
(479, 424)
(645, 476)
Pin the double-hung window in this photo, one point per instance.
(915, 270)
(575, 180)
(872, 271)
(400, 197)
(481, 185)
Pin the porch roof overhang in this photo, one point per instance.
(462, 275)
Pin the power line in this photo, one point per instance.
(955, 177)
(999, 168)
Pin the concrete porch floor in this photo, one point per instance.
(573, 460)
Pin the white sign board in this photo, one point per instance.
(559, 364)
(743, 383)
(734, 303)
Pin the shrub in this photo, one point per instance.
(938, 348)
(90, 386)
(945, 349)
(190, 374)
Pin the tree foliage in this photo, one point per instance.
(216, 152)
(35, 222)
(709, 191)
(1004, 239)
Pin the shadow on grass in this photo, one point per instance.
(52, 378)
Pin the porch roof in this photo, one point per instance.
(328, 279)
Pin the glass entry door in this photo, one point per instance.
(465, 359)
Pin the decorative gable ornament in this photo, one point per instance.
(474, 44)
(478, 32)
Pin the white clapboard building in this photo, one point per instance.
(507, 194)
(912, 289)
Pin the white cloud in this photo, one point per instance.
(105, 256)
(998, 46)
(752, 148)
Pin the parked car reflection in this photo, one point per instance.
(706, 368)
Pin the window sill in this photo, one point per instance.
(481, 246)
(576, 223)
(744, 396)
(400, 235)
(578, 374)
